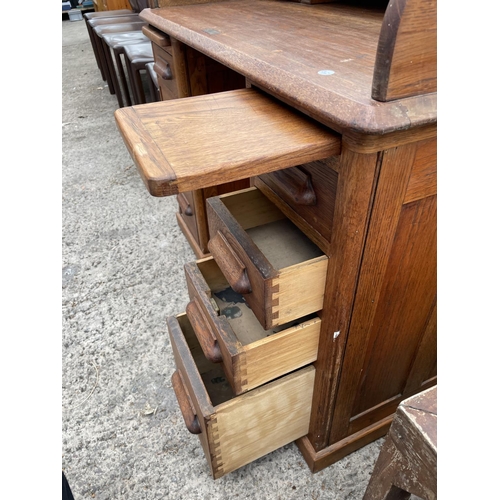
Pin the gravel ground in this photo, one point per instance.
(123, 436)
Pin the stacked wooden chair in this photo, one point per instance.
(110, 32)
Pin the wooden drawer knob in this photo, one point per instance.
(163, 70)
(184, 205)
(207, 339)
(230, 264)
(295, 186)
(185, 404)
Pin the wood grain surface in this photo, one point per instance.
(318, 58)
(187, 144)
(406, 63)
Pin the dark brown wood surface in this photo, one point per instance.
(355, 189)
(398, 272)
(317, 179)
(207, 76)
(318, 58)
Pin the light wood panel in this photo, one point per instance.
(270, 264)
(229, 332)
(237, 430)
(262, 420)
(263, 136)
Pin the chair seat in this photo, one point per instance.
(107, 13)
(117, 43)
(139, 51)
(100, 21)
(116, 40)
(152, 74)
(136, 58)
(104, 51)
(119, 28)
(94, 28)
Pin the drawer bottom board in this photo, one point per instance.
(293, 248)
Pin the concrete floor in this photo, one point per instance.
(123, 436)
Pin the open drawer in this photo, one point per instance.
(265, 257)
(235, 430)
(229, 332)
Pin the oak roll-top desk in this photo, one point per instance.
(341, 141)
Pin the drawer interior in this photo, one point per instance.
(282, 243)
(232, 305)
(212, 374)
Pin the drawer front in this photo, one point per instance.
(164, 68)
(235, 430)
(187, 212)
(229, 332)
(157, 37)
(263, 256)
(306, 194)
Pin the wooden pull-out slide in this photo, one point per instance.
(197, 142)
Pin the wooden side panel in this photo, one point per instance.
(424, 370)
(190, 237)
(262, 420)
(408, 294)
(406, 63)
(356, 184)
(423, 178)
(187, 211)
(390, 343)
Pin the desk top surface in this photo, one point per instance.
(318, 58)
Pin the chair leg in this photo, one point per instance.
(152, 89)
(122, 77)
(130, 73)
(112, 73)
(100, 49)
(141, 98)
(94, 48)
(385, 472)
